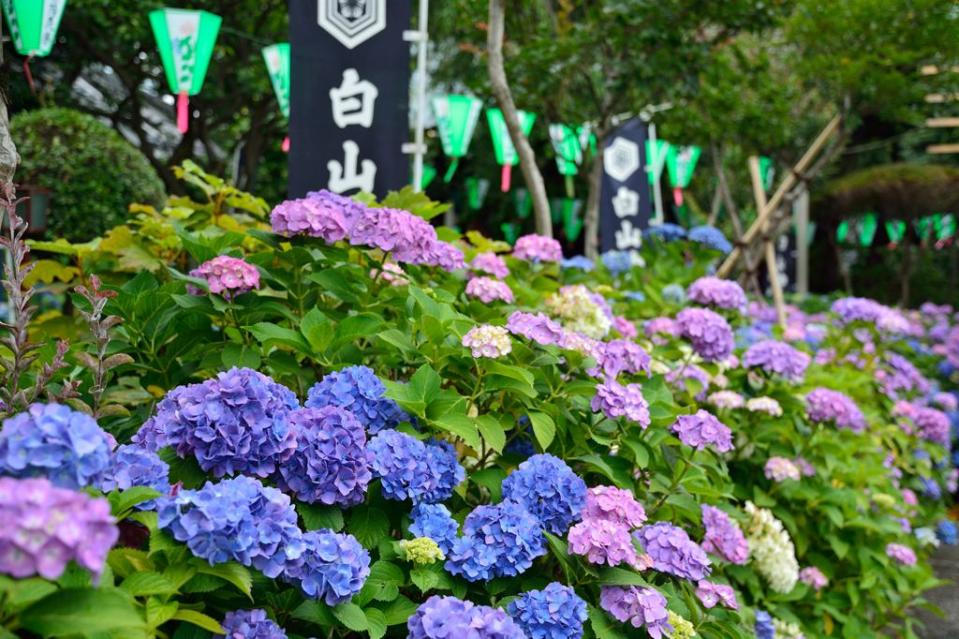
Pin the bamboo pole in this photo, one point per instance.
(787, 184)
(759, 194)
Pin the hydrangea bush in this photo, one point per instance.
(380, 427)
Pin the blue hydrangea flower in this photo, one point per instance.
(500, 540)
(452, 618)
(250, 624)
(436, 522)
(555, 612)
(617, 262)
(666, 232)
(358, 390)
(235, 520)
(930, 488)
(764, 625)
(636, 296)
(549, 490)
(712, 237)
(330, 464)
(237, 423)
(674, 294)
(946, 532)
(134, 466)
(410, 469)
(580, 262)
(53, 441)
(332, 567)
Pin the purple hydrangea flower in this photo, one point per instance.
(236, 519)
(411, 469)
(902, 554)
(452, 618)
(615, 400)
(332, 566)
(624, 327)
(358, 390)
(537, 248)
(235, 423)
(764, 625)
(405, 236)
(702, 429)
(711, 594)
(823, 405)
(549, 490)
(53, 441)
(537, 327)
(777, 358)
(330, 464)
(134, 466)
(673, 552)
(933, 425)
(858, 309)
(717, 292)
(658, 326)
(490, 263)
(310, 216)
(227, 276)
(813, 577)
(620, 356)
(436, 522)
(500, 540)
(780, 469)
(46, 527)
(445, 256)
(603, 541)
(709, 333)
(487, 290)
(555, 612)
(640, 607)
(250, 624)
(350, 209)
(613, 504)
(681, 376)
(723, 536)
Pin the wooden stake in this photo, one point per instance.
(787, 184)
(759, 193)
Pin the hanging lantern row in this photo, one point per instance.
(862, 230)
(277, 59)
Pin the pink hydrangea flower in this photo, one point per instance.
(723, 536)
(227, 276)
(614, 504)
(711, 594)
(813, 577)
(902, 554)
(491, 264)
(780, 469)
(487, 290)
(537, 248)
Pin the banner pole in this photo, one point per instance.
(657, 192)
(419, 137)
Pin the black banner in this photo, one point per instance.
(349, 95)
(625, 205)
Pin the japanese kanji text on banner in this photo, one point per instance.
(625, 200)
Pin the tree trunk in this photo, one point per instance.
(591, 222)
(500, 87)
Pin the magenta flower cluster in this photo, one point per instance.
(708, 332)
(717, 292)
(537, 248)
(227, 276)
(777, 358)
(702, 429)
(826, 405)
(46, 527)
(723, 536)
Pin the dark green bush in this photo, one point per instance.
(93, 173)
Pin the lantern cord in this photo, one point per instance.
(678, 196)
(450, 171)
(570, 190)
(286, 144)
(183, 111)
(27, 72)
(504, 177)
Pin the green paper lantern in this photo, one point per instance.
(866, 228)
(945, 229)
(923, 226)
(568, 210)
(506, 155)
(429, 174)
(476, 190)
(33, 24)
(896, 230)
(656, 159)
(587, 139)
(522, 203)
(569, 152)
(186, 40)
(842, 232)
(510, 231)
(456, 118)
(680, 163)
(277, 59)
(767, 171)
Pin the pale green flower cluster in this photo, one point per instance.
(421, 550)
(787, 630)
(578, 312)
(682, 628)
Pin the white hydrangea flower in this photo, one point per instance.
(766, 405)
(578, 311)
(487, 340)
(771, 549)
(787, 630)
